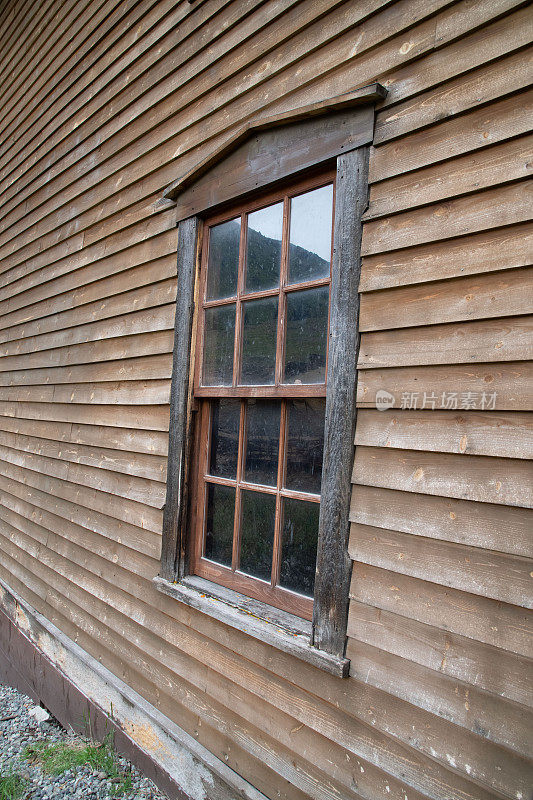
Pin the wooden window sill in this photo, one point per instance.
(277, 628)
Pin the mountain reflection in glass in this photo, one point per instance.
(262, 441)
(259, 332)
(310, 235)
(298, 545)
(305, 445)
(223, 260)
(306, 335)
(219, 337)
(219, 523)
(263, 248)
(224, 444)
(258, 513)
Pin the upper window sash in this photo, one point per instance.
(226, 364)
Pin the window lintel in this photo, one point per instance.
(274, 148)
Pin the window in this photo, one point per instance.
(260, 378)
(262, 405)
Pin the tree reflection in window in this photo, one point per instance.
(263, 333)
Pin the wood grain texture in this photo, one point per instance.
(179, 432)
(451, 137)
(333, 563)
(483, 478)
(512, 382)
(509, 161)
(498, 249)
(470, 569)
(494, 207)
(102, 106)
(499, 294)
(492, 340)
(488, 526)
(444, 610)
(473, 433)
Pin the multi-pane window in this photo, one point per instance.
(260, 381)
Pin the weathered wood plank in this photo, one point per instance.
(250, 166)
(481, 478)
(120, 508)
(491, 166)
(490, 208)
(500, 294)
(153, 392)
(489, 42)
(130, 487)
(512, 382)
(444, 611)
(139, 539)
(154, 295)
(444, 651)
(500, 576)
(489, 82)
(157, 107)
(117, 348)
(142, 465)
(130, 440)
(333, 567)
(474, 433)
(174, 516)
(143, 321)
(496, 340)
(138, 417)
(100, 259)
(149, 367)
(452, 137)
(502, 721)
(493, 250)
(63, 537)
(179, 56)
(113, 54)
(488, 526)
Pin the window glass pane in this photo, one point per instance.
(310, 236)
(263, 250)
(259, 330)
(219, 336)
(298, 547)
(223, 451)
(223, 259)
(305, 445)
(220, 514)
(306, 337)
(257, 533)
(262, 441)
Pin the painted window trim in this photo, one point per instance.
(323, 643)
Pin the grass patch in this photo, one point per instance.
(58, 757)
(12, 786)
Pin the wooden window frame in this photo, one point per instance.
(272, 594)
(338, 140)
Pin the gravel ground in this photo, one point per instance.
(18, 729)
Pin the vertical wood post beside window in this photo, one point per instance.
(178, 449)
(332, 581)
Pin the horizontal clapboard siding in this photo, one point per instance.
(441, 519)
(102, 105)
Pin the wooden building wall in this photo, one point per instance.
(105, 102)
